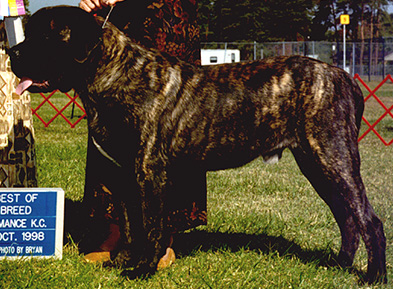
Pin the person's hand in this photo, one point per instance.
(93, 5)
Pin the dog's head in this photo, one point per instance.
(58, 42)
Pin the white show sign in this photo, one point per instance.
(31, 222)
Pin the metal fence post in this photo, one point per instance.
(255, 50)
(376, 61)
(225, 51)
(353, 58)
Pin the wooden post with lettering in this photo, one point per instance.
(17, 149)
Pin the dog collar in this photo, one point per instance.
(104, 153)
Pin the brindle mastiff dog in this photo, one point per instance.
(154, 115)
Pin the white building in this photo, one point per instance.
(218, 56)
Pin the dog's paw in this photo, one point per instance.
(167, 260)
(98, 257)
(376, 278)
(122, 259)
(140, 272)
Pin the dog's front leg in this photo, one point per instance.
(150, 244)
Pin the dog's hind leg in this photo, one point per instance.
(328, 191)
(333, 169)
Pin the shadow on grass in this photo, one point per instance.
(191, 242)
(78, 231)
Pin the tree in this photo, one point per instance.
(27, 16)
(27, 4)
(323, 22)
(290, 20)
(366, 18)
(366, 23)
(255, 20)
(292, 23)
(207, 17)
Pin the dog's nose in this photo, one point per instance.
(11, 52)
(14, 53)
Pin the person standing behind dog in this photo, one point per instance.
(169, 26)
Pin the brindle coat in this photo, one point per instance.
(154, 115)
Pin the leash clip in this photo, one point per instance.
(107, 16)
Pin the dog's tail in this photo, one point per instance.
(351, 88)
(359, 101)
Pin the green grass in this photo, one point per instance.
(267, 228)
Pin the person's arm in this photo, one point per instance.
(93, 5)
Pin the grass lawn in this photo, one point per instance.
(267, 228)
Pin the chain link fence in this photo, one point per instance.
(371, 59)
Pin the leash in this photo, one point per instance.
(107, 16)
(95, 46)
(99, 148)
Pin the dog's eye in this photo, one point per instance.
(45, 37)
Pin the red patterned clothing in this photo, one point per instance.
(167, 25)
(170, 26)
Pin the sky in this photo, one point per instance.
(37, 4)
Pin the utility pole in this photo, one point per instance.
(344, 20)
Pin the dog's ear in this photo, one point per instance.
(85, 36)
(74, 29)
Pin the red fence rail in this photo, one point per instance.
(59, 112)
(387, 110)
(371, 126)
